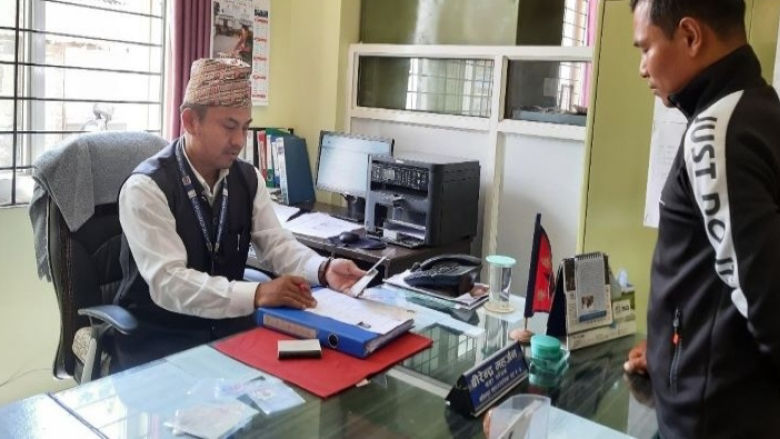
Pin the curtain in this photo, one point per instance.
(591, 41)
(190, 40)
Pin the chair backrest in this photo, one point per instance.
(85, 267)
(85, 271)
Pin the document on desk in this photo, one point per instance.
(283, 213)
(319, 225)
(374, 316)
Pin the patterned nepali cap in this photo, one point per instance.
(219, 82)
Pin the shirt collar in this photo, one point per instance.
(223, 173)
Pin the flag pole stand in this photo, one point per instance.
(522, 335)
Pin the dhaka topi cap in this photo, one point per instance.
(218, 82)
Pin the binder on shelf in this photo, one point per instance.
(292, 173)
(259, 159)
(262, 155)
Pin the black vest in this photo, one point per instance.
(133, 292)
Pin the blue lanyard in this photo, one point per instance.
(192, 194)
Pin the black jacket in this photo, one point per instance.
(714, 314)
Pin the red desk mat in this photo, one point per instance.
(324, 376)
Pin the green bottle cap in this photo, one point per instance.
(501, 261)
(545, 347)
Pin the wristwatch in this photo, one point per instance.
(322, 270)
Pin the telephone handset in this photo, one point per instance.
(453, 272)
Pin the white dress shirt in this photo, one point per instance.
(159, 253)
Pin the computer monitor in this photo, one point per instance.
(342, 166)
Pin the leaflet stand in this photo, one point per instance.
(583, 298)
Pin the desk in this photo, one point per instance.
(398, 258)
(405, 402)
(40, 416)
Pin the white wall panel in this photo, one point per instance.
(539, 175)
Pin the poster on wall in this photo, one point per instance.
(668, 128)
(242, 29)
(776, 81)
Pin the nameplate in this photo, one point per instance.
(482, 385)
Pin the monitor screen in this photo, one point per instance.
(343, 161)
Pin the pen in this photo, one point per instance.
(382, 259)
(362, 283)
(297, 214)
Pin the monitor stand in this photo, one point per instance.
(356, 208)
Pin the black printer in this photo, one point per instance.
(421, 199)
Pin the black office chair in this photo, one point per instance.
(86, 273)
(84, 263)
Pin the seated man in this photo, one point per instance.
(188, 215)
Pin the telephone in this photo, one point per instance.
(454, 273)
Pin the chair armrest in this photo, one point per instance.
(114, 315)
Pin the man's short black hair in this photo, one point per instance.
(200, 110)
(725, 17)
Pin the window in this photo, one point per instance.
(460, 87)
(69, 67)
(537, 90)
(554, 92)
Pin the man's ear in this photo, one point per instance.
(190, 121)
(691, 32)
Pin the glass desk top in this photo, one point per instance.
(405, 402)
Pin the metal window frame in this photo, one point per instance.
(33, 125)
(467, 75)
(101, 8)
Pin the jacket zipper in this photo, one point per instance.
(677, 343)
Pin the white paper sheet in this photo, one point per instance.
(368, 314)
(283, 213)
(776, 81)
(319, 225)
(668, 128)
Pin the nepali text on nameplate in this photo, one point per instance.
(479, 387)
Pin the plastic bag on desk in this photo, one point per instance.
(212, 420)
(275, 397)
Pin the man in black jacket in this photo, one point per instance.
(713, 347)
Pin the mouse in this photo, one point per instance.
(348, 237)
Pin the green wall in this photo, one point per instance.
(309, 49)
(29, 317)
(619, 141)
